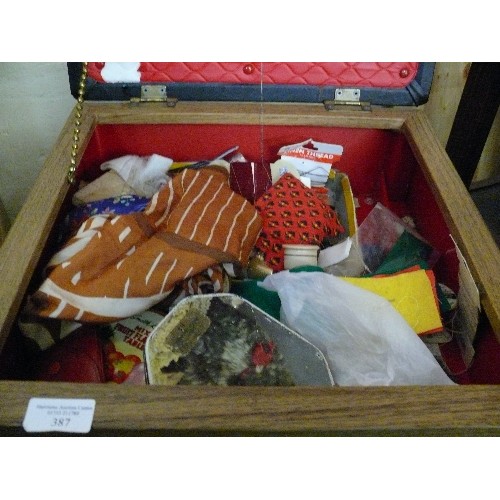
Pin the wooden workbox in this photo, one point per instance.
(390, 154)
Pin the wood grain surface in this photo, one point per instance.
(157, 410)
(245, 113)
(460, 213)
(21, 250)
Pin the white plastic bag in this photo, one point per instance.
(365, 340)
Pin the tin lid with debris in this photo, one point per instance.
(222, 339)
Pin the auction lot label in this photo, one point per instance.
(59, 415)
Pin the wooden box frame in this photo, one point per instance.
(156, 410)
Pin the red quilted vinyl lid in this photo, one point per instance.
(362, 74)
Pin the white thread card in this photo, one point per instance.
(59, 415)
(469, 306)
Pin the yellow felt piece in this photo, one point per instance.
(413, 295)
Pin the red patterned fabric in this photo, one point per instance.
(293, 213)
(362, 74)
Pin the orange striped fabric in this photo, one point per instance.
(117, 266)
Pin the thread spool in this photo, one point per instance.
(300, 255)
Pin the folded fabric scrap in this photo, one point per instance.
(411, 292)
(44, 333)
(130, 174)
(107, 185)
(144, 174)
(119, 265)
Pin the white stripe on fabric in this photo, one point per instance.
(81, 229)
(101, 306)
(230, 233)
(115, 220)
(125, 290)
(64, 265)
(76, 278)
(204, 211)
(218, 218)
(66, 253)
(183, 178)
(167, 210)
(253, 179)
(167, 274)
(229, 268)
(188, 274)
(152, 204)
(93, 222)
(153, 267)
(88, 233)
(124, 234)
(128, 253)
(191, 184)
(193, 202)
(78, 317)
(97, 221)
(59, 309)
(249, 225)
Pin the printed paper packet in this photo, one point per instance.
(312, 159)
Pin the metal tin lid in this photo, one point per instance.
(223, 339)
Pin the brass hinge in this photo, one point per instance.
(154, 93)
(347, 97)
